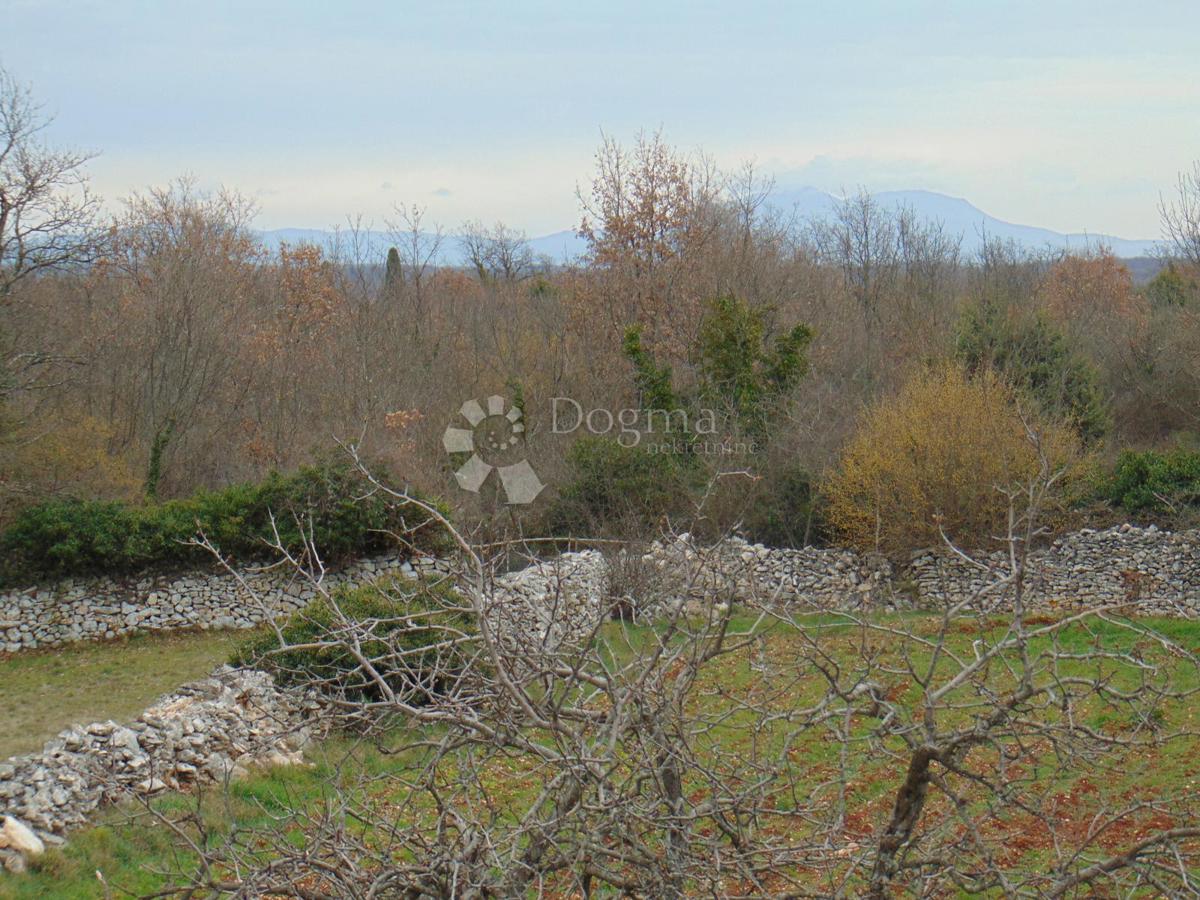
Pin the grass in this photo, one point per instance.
(127, 854)
(133, 854)
(43, 692)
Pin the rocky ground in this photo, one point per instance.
(206, 731)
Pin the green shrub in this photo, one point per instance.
(741, 370)
(417, 634)
(1171, 287)
(653, 381)
(1154, 481)
(324, 503)
(65, 536)
(617, 487)
(1035, 358)
(786, 510)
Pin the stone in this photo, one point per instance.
(21, 837)
(126, 739)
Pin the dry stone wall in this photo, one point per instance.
(833, 578)
(92, 609)
(1159, 571)
(1152, 571)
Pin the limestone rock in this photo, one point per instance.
(21, 837)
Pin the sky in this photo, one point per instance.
(1069, 115)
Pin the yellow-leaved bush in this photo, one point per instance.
(940, 453)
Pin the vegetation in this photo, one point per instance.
(403, 619)
(612, 487)
(124, 853)
(739, 372)
(46, 691)
(165, 375)
(1034, 357)
(322, 506)
(277, 808)
(1154, 481)
(789, 510)
(693, 296)
(1170, 287)
(937, 459)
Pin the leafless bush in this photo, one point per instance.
(634, 587)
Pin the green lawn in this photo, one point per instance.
(43, 692)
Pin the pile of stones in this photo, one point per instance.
(566, 596)
(549, 601)
(207, 731)
(736, 570)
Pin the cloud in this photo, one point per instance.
(442, 192)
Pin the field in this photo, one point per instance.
(45, 691)
(132, 854)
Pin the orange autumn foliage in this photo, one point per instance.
(1089, 288)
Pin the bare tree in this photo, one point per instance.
(188, 265)
(1181, 218)
(860, 239)
(648, 219)
(498, 252)
(418, 246)
(48, 218)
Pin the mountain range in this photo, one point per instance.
(958, 217)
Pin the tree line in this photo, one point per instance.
(164, 350)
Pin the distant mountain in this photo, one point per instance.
(957, 216)
(960, 217)
(560, 247)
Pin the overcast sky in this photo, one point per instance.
(1069, 115)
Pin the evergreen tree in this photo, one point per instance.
(391, 275)
(738, 368)
(1035, 358)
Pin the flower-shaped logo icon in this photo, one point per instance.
(496, 441)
